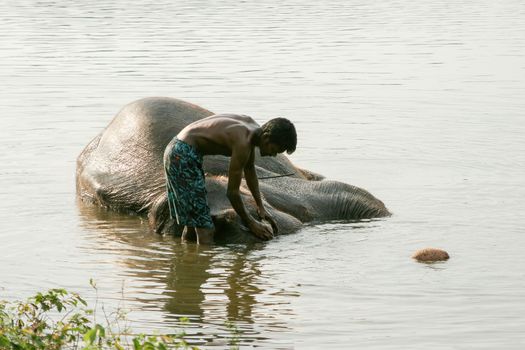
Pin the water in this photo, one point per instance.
(422, 103)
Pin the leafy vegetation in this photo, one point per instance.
(58, 319)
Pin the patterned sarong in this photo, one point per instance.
(186, 185)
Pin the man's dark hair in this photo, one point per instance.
(281, 131)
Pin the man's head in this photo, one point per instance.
(278, 135)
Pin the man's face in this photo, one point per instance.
(270, 149)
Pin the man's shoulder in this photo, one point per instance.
(237, 117)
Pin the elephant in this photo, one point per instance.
(122, 169)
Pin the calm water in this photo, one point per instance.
(422, 103)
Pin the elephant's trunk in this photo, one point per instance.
(349, 202)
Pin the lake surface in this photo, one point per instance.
(421, 103)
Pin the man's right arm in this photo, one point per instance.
(237, 162)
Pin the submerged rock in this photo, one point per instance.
(430, 255)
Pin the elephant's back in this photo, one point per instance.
(122, 166)
(151, 122)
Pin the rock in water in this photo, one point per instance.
(430, 255)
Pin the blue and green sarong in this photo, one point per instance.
(186, 185)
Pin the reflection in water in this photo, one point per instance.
(208, 284)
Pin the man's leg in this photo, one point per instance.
(188, 234)
(204, 235)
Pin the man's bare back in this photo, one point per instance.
(220, 134)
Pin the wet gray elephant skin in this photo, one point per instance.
(122, 169)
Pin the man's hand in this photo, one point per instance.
(260, 230)
(263, 214)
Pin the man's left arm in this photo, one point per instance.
(253, 184)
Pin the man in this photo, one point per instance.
(230, 135)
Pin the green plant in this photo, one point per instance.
(29, 325)
(58, 320)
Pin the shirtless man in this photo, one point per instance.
(230, 135)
